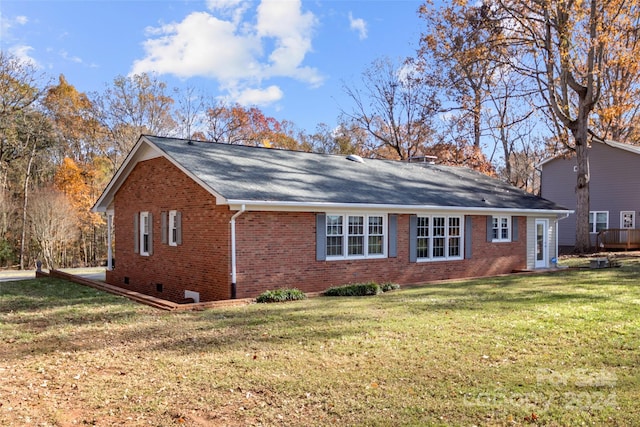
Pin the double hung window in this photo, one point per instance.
(598, 221)
(501, 229)
(439, 237)
(173, 228)
(145, 233)
(355, 236)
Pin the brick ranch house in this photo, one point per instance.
(213, 221)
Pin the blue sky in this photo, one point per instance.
(290, 58)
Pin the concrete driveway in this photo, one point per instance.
(93, 273)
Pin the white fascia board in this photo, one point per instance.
(622, 146)
(266, 205)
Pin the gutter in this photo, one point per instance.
(233, 250)
(268, 205)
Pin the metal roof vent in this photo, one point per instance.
(355, 158)
(430, 160)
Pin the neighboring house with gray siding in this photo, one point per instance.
(614, 199)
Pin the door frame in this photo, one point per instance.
(544, 262)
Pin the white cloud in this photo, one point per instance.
(259, 96)
(229, 8)
(65, 55)
(7, 24)
(235, 48)
(21, 52)
(359, 25)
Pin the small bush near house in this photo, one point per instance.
(281, 295)
(354, 290)
(386, 287)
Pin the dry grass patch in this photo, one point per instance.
(554, 349)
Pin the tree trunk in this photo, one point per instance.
(24, 206)
(581, 135)
(583, 240)
(477, 119)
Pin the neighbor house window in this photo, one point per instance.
(355, 236)
(439, 237)
(628, 219)
(598, 221)
(145, 233)
(501, 229)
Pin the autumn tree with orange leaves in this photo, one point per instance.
(236, 124)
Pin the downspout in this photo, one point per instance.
(233, 250)
(109, 241)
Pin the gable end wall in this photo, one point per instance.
(200, 264)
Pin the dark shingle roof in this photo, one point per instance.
(242, 173)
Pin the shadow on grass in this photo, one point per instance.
(48, 293)
(305, 322)
(37, 315)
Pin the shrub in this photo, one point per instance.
(281, 295)
(389, 286)
(357, 289)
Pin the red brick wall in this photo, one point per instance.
(274, 249)
(200, 264)
(277, 249)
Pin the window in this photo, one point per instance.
(501, 229)
(453, 243)
(363, 236)
(376, 235)
(335, 235)
(356, 236)
(173, 228)
(598, 221)
(439, 237)
(145, 233)
(628, 219)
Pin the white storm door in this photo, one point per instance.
(542, 243)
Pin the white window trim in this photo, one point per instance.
(345, 236)
(592, 220)
(633, 219)
(447, 257)
(144, 219)
(502, 239)
(172, 228)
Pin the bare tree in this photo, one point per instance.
(53, 224)
(190, 112)
(133, 106)
(394, 107)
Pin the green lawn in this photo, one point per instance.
(546, 349)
